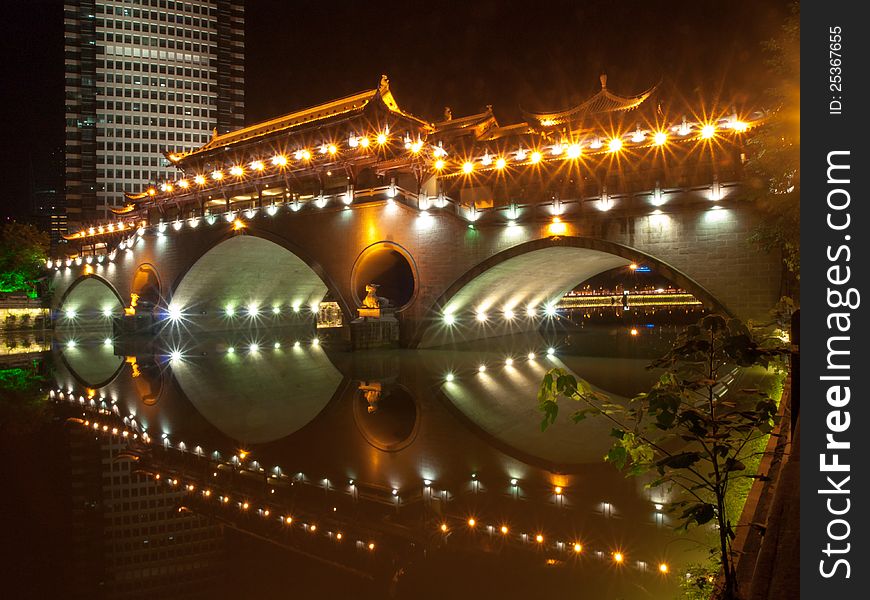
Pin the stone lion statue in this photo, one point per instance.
(371, 300)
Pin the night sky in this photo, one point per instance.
(532, 55)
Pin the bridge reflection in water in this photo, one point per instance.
(435, 458)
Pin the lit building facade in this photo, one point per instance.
(142, 76)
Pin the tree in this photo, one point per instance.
(685, 430)
(23, 403)
(23, 252)
(774, 164)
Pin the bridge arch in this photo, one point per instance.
(274, 393)
(535, 273)
(390, 266)
(146, 285)
(391, 422)
(92, 366)
(254, 268)
(89, 299)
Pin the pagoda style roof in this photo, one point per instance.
(347, 106)
(507, 131)
(603, 102)
(477, 124)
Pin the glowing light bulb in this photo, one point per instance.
(217, 175)
(660, 138)
(449, 319)
(481, 316)
(557, 227)
(574, 151)
(449, 377)
(237, 171)
(332, 149)
(467, 167)
(439, 164)
(708, 131)
(183, 184)
(614, 145)
(500, 163)
(472, 522)
(578, 548)
(258, 165)
(663, 568)
(199, 179)
(504, 530)
(535, 157)
(381, 139)
(509, 314)
(618, 557)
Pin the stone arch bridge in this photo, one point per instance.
(471, 228)
(451, 278)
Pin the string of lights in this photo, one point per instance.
(439, 160)
(129, 429)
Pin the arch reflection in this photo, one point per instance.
(258, 395)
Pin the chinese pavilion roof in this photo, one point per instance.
(603, 102)
(368, 132)
(321, 114)
(476, 125)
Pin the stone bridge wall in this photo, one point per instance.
(707, 251)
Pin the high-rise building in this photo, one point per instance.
(144, 77)
(47, 210)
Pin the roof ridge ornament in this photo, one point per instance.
(384, 85)
(603, 79)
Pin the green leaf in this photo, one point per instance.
(679, 461)
(700, 513)
(617, 455)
